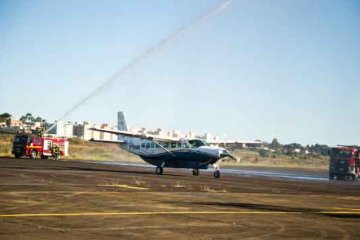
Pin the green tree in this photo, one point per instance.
(38, 119)
(275, 144)
(5, 115)
(264, 153)
(27, 118)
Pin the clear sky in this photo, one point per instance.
(261, 69)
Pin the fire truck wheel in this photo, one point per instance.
(33, 154)
(354, 177)
(17, 156)
(331, 176)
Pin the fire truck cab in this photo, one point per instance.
(344, 162)
(34, 146)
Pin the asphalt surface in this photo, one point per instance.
(291, 174)
(46, 199)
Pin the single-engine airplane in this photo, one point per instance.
(169, 152)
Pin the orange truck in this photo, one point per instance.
(34, 146)
(344, 162)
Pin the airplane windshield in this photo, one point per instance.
(197, 143)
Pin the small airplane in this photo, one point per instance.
(170, 152)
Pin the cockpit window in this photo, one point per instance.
(197, 143)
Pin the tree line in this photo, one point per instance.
(295, 148)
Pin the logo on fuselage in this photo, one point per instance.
(134, 147)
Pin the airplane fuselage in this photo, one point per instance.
(173, 154)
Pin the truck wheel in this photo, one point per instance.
(354, 177)
(331, 176)
(17, 155)
(33, 154)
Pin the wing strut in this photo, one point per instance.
(161, 146)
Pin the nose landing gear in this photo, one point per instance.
(217, 169)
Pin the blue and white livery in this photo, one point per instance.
(171, 152)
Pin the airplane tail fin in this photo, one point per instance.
(121, 122)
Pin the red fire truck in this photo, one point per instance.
(344, 162)
(34, 146)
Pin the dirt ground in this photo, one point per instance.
(46, 199)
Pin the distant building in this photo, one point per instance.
(12, 122)
(68, 130)
(57, 129)
(82, 131)
(107, 136)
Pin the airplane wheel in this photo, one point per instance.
(195, 172)
(216, 174)
(159, 170)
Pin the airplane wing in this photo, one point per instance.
(129, 134)
(106, 141)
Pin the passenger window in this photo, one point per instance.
(147, 145)
(152, 145)
(173, 145)
(166, 145)
(143, 145)
(179, 145)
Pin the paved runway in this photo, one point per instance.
(271, 173)
(46, 199)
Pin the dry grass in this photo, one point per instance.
(82, 150)
(6, 144)
(253, 158)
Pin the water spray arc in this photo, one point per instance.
(150, 51)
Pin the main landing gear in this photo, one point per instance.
(217, 174)
(195, 172)
(159, 170)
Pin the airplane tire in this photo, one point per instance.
(159, 170)
(217, 174)
(195, 172)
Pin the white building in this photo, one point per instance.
(82, 131)
(57, 129)
(69, 130)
